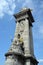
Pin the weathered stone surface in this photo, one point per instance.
(21, 51)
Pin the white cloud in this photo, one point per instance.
(40, 60)
(7, 6)
(1, 14)
(28, 3)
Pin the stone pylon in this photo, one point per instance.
(21, 51)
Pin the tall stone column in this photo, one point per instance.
(21, 51)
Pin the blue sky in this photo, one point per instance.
(7, 25)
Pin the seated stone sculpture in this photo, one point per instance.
(20, 41)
